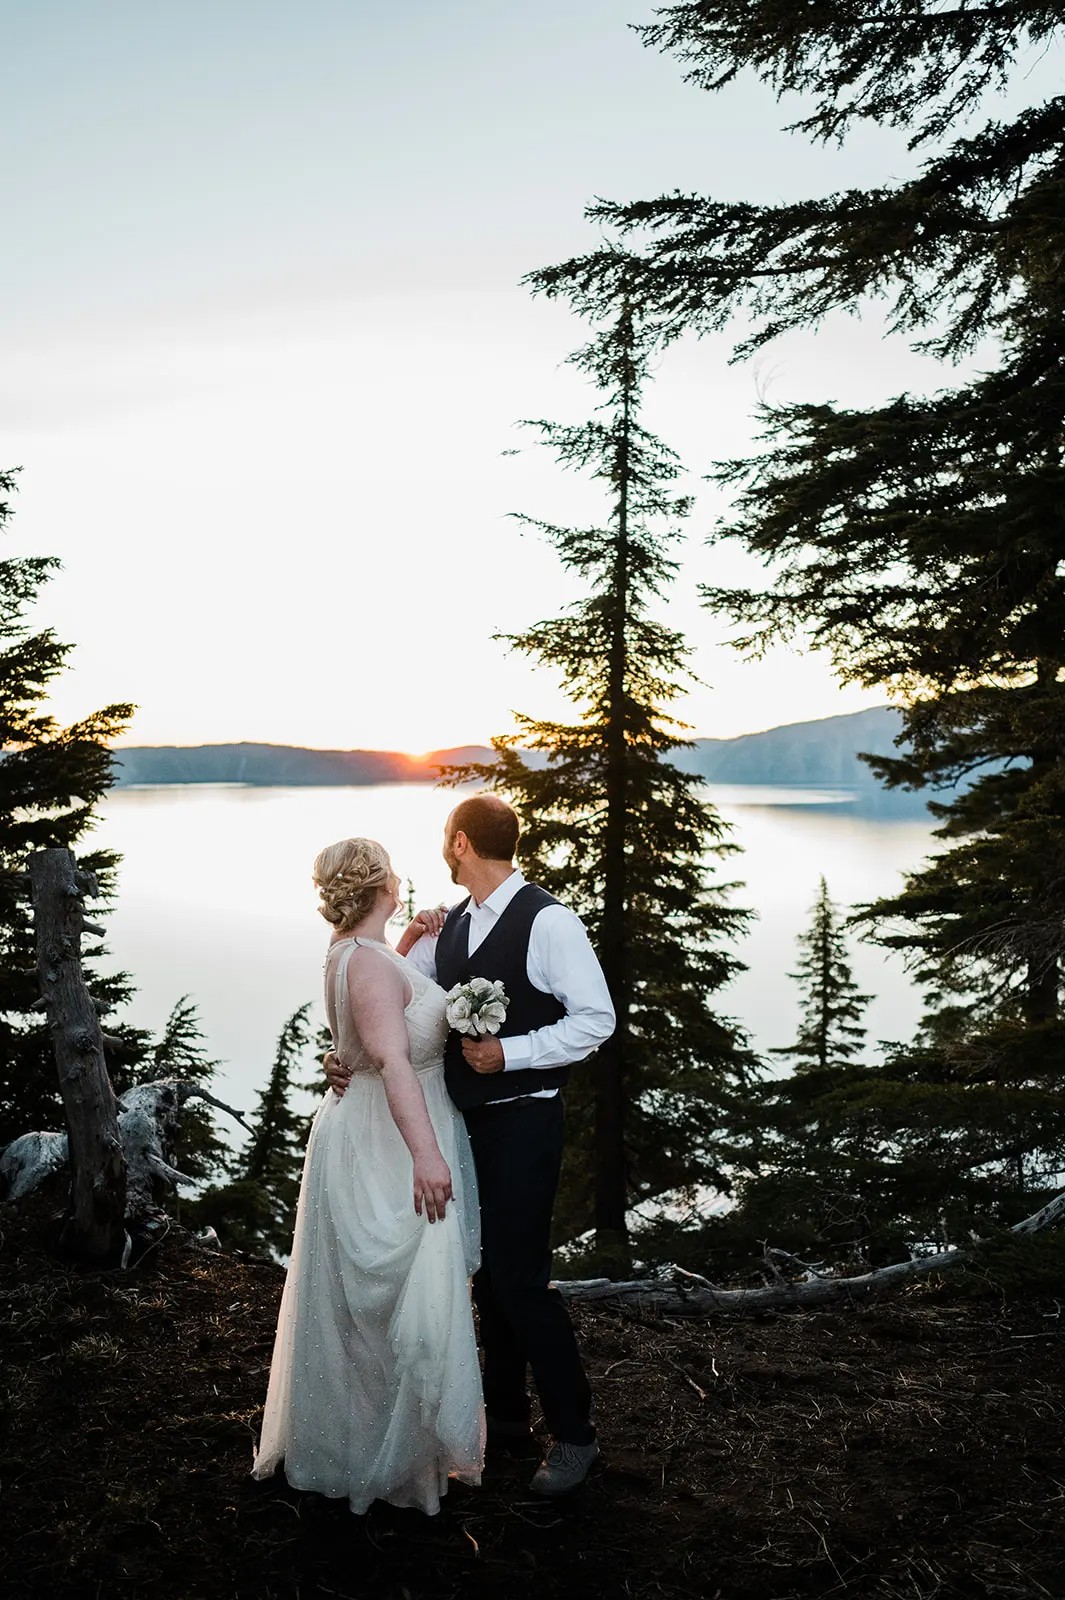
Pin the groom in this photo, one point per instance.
(508, 1089)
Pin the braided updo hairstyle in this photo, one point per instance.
(349, 876)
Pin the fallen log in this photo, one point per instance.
(688, 1294)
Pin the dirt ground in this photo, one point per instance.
(908, 1449)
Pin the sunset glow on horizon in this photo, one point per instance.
(266, 346)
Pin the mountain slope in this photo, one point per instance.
(823, 753)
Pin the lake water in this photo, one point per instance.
(216, 900)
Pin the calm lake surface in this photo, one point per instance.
(216, 901)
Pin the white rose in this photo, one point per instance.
(494, 1014)
(458, 1011)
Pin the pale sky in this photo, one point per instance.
(264, 345)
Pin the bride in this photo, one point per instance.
(374, 1391)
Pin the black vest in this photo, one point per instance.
(503, 955)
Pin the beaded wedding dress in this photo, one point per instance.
(375, 1391)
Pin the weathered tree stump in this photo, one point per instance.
(149, 1118)
(94, 1226)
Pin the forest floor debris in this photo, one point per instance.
(912, 1447)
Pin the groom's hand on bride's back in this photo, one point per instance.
(337, 1076)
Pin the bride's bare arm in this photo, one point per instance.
(378, 992)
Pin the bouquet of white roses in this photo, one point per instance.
(477, 1007)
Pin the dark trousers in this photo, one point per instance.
(517, 1150)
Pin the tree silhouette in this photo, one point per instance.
(255, 1210)
(921, 541)
(51, 780)
(831, 1030)
(622, 835)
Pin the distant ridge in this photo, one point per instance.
(280, 765)
(823, 754)
(818, 753)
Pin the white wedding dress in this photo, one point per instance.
(375, 1390)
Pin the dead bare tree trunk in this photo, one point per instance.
(94, 1226)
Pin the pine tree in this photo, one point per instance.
(180, 1052)
(974, 236)
(821, 1162)
(280, 1135)
(255, 1210)
(51, 779)
(831, 1030)
(921, 542)
(623, 836)
(923, 545)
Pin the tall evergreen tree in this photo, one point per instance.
(255, 1210)
(831, 1030)
(922, 541)
(51, 779)
(621, 834)
(280, 1134)
(180, 1052)
(820, 1172)
(970, 239)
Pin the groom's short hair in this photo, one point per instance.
(489, 824)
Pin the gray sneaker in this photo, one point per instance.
(564, 1467)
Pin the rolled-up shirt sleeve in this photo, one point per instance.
(562, 962)
(423, 956)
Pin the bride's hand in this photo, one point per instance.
(427, 923)
(432, 1186)
(338, 1077)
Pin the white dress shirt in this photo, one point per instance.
(561, 962)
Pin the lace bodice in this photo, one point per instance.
(427, 1026)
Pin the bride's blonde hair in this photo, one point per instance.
(349, 875)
